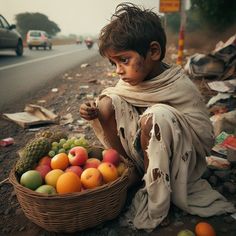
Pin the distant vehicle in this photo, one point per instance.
(37, 39)
(10, 38)
(89, 42)
(79, 40)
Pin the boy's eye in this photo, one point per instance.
(124, 60)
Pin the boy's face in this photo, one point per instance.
(130, 66)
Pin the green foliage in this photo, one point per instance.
(205, 15)
(35, 21)
(216, 14)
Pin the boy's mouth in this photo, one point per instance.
(124, 79)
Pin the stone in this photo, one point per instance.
(230, 187)
(207, 174)
(223, 175)
(213, 180)
(228, 220)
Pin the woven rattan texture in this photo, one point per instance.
(75, 211)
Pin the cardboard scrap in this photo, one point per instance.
(32, 115)
(223, 86)
(215, 162)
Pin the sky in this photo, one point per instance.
(80, 17)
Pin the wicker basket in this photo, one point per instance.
(74, 211)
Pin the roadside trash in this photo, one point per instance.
(6, 142)
(32, 115)
(83, 86)
(81, 122)
(223, 142)
(219, 64)
(228, 86)
(200, 65)
(214, 162)
(231, 154)
(66, 119)
(224, 122)
(219, 97)
(94, 81)
(84, 65)
(233, 216)
(54, 90)
(89, 96)
(41, 101)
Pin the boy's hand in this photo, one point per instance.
(88, 110)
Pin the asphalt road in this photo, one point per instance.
(20, 76)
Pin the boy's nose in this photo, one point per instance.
(119, 70)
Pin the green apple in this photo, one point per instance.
(31, 179)
(46, 188)
(185, 232)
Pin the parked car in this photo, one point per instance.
(9, 37)
(37, 39)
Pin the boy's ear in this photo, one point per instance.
(155, 50)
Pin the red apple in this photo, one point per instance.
(46, 160)
(76, 169)
(43, 170)
(111, 156)
(91, 178)
(92, 162)
(78, 156)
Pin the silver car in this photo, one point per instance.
(38, 38)
(10, 38)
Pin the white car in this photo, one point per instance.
(37, 39)
(10, 38)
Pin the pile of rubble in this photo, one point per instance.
(217, 70)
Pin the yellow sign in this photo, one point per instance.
(167, 6)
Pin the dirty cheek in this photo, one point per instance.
(137, 65)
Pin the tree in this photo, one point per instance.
(205, 15)
(35, 21)
(216, 15)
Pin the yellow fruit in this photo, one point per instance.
(52, 177)
(108, 171)
(121, 168)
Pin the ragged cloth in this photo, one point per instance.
(177, 154)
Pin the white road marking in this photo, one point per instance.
(39, 59)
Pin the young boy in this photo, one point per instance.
(156, 118)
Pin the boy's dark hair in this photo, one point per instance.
(132, 28)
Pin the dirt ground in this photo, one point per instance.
(72, 91)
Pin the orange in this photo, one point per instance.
(60, 161)
(204, 229)
(68, 182)
(52, 177)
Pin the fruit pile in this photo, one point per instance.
(67, 165)
(64, 145)
(201, 229)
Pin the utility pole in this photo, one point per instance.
(181, 32)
